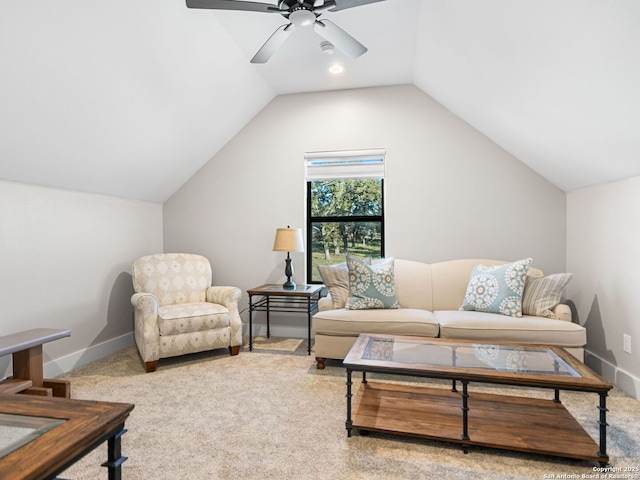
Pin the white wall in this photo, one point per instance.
(603, 231)
(450, 191)
(65, 263)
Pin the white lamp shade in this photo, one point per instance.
(288, 240)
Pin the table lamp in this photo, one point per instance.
(288, 240)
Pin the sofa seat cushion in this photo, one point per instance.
(192, 317)
(403, 321)
(502, 328)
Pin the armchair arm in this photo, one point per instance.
(562, 312)
(147, 333)
(229, 297)
(224, 295)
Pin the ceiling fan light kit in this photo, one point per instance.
(302, 18)
(299, 13)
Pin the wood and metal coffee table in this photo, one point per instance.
(41, 437)
(509, 422)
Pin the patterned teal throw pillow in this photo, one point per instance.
(371, 286)
(497, 289)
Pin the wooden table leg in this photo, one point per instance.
(59, 388)
(28, 365)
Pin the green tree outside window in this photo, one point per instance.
(345, 216)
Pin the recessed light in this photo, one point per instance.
(336, 68)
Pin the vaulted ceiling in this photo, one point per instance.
(131, 98)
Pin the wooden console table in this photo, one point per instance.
(28, 376)
(58, 433)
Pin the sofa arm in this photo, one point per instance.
(147, 333)
(325, 303)
(562, 312)
(229, 297)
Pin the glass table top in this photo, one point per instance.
(505, 358)
(18, 430)
(278, 288)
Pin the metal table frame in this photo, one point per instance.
(274, 298)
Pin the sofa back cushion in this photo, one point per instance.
(437, 286)
(413, 284)
(450, 280)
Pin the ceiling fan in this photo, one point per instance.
(299, 13)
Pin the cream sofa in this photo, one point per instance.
(430, 296)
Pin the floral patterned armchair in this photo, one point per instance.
(177, 311)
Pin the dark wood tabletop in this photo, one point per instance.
(86, 425)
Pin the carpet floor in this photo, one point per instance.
(271, 415)
(275, 344)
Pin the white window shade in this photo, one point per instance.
(345, 164)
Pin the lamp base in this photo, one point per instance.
(288, 271)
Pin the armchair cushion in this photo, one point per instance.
(191, 317)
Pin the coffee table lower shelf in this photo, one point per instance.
(498, 421)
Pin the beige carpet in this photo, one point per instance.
(274, 343)
(268, 415)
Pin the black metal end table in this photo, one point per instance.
(274, 298)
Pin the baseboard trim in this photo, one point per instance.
(620, 378)
(90, 354)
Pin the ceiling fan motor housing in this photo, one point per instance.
(290, 5)
(300, 13)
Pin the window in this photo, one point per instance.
(345, 207)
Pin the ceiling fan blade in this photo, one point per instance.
(344, 4)
(233, 5)
(274, 42)
(341, 39)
